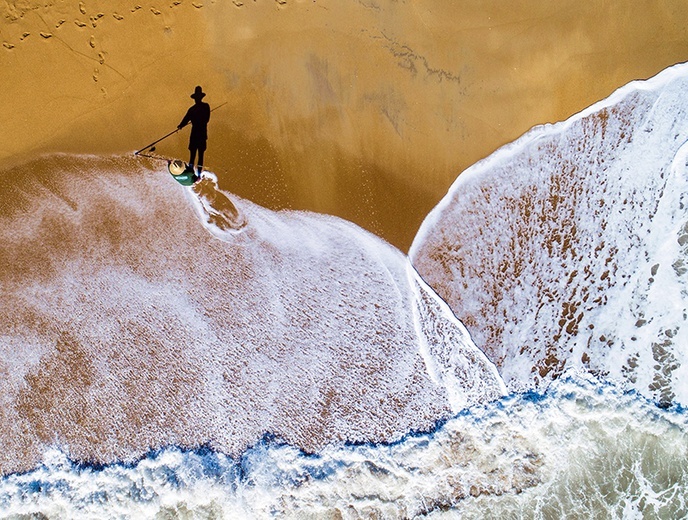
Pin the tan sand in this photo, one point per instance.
(364, 109)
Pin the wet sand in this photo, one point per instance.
(366, 110)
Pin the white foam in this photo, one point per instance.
(507, 152)
(585, 449)
(449, 353)
(565, 248)
(146, 331)
(215, 207)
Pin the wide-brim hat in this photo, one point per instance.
(198, 93)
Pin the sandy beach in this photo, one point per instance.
(367, 110)
(174, 351)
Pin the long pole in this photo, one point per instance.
(171, 133)
(155, 142)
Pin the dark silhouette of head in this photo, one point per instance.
(198, 94)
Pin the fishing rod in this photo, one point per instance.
(150, 155)
(151, 147)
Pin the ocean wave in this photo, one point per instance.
(568, 248)
(583, 449)
(132, 327)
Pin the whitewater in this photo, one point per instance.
(183, 353)
(584, 450)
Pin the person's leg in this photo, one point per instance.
(200, 160)
(192, 157)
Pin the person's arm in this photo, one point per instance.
(185, 121)
(207, 113)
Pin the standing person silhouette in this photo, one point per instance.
(198, 115)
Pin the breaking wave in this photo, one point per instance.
(582, 450)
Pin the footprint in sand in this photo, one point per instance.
(94, 19)
(8, 45)
(155, 11)
(79, 23)
(82, 8)
(117, 17)
(46, 35)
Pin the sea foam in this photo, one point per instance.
(568, 248)
(135, 325)
(582, 450)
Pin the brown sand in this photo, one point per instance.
(367, 110)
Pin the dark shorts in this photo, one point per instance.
(197, 144)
